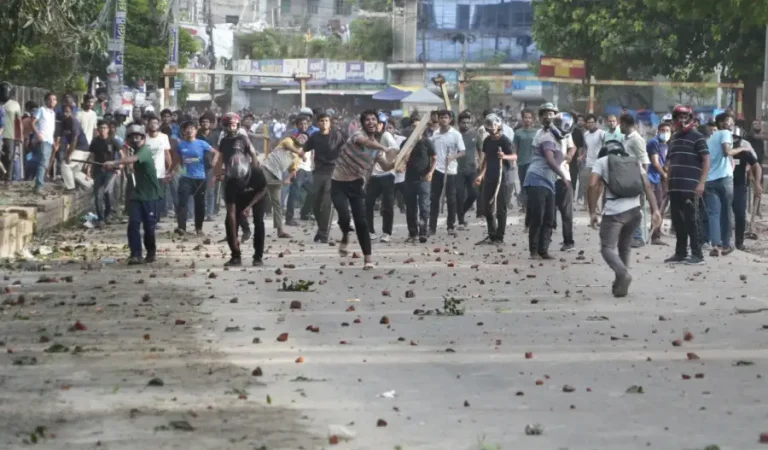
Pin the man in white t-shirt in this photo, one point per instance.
(449, 146)
(594, 139)
(160, 146)
(45, 129)
(621, 216)
(11, 131)
(88, 118)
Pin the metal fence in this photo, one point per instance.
(23, 94)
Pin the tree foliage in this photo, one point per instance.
(57, 44)
(370, 40)
(631, 39)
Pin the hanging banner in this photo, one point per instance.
(121, 14)
(355, 71)
(173, 46)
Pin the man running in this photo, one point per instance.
(325, 146)
(498, 156)
(247, 187)
(145, 197)
(352, 167)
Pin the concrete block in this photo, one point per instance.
(26, 230)
(9, 229)
(24, 212)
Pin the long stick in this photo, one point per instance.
(498, 184)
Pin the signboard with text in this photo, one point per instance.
(323, 72)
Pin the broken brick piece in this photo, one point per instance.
(283, 337)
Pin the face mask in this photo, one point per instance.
(664, 137)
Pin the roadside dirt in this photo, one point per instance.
(96, 354)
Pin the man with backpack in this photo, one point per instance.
(625, 181)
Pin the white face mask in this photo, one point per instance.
(664, 137)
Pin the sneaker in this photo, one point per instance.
(233, 262)
(343, 248)
(637, 243)
(432, 231)
(283, 235)
(150, 258)
(410, 240)
(726, 251)
(451, 232)
(321, 240)
(246, 235)
(462, 226)
(199, 231)
(535, 256)
(135, 260)
(706, 246)
(385, 238)
(658, 241)
(99, 225)
(208, 219)
(291, 222)
(486, 241)
(567, 248)
(179, 231)
(257, 262)
(422, 239)
(373, 236)
(546, 256)
(694, 261)
(714, 252)
(675, 259)
(621, 286)
(741, 247)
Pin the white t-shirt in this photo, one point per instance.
(614, 205)
(449, 143)
(306, 164)
(594, 141)
(387, 140)
(12, 114)
(159, 144)
(88, 121)
(399, 176)
(46, 123)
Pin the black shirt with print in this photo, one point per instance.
(103, 150)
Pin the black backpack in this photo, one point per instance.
(625, 179)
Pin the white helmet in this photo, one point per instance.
(492, 121)
(149, 109)
(306, 111)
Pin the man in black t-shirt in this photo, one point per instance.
(248, 187)
(744, 160)
(234, 143)
(497, 160)
(418, 176)
(102, 149)
(326, 145)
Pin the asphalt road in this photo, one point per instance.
(443, 346)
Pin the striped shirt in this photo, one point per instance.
(686, 153)
(355, 161)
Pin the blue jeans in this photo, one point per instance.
(718, 195)
(43, 152)
(102, 195)
(301, 186)
(142, 214)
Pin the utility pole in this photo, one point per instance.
(173, 54)
(423, 22)
(211, 53)
(116, 46)
(764, 106)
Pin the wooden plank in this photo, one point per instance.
(410, 143)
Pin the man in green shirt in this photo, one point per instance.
(523, 147)
(145, 198)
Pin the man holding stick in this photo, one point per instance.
(497, 160)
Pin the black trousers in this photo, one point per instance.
(687, 212)
(384, 187)
(417, 205)
(321, 197)
(564, 203)
(541, 219)
(496, 213)
(346, 195)
(196, 188)
(258, 209)
(740, 194)
(436, 189)
(465, 193)
(400, 196)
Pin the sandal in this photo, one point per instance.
(369, 266)
(343, 249)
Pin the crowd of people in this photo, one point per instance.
(185, 165)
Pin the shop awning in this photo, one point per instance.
(327, 92)
(395, 93)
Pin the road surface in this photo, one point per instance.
(184, 354)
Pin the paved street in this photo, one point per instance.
(166, 356)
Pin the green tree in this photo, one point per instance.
(370, 40)
(626, 39)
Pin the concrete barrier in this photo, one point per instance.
(19, 223)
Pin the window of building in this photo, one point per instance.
(232, 19)
(313, 6)
(462, 17)
(285, 6)
(427, 18)
(342, 8)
